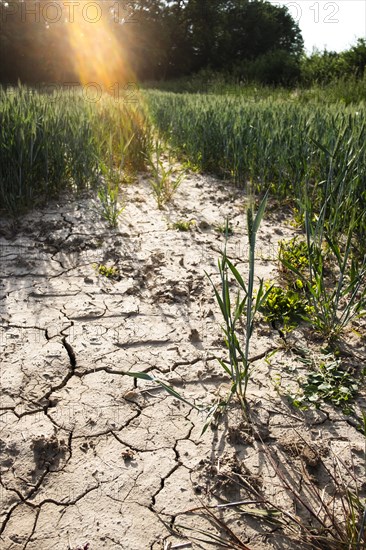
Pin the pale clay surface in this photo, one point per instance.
(90, 455)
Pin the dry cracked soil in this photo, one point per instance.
(94, 459)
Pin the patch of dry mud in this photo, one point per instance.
(90, 456)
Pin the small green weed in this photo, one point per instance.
(246, 303)
(284, 306)
(166, 178)
(294, 252)
(225, 229)
(112, 174)
(111, 209)
(330, 382)
(182, 225)
(110, 272)
(333, 281)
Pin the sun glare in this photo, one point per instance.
(97, 55)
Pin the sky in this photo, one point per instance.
(326, 24)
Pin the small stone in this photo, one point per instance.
(194, 335)
(198, 490)
(204, 225)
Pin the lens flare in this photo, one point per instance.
(96, 47)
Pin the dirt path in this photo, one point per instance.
(91, 456)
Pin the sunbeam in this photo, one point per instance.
(97, 54)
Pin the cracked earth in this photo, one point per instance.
(90, 456)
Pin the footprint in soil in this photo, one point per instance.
(5, 451)
(48, 452)
(306, 451)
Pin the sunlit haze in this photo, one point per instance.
(97, 55)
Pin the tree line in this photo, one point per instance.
(250, 40)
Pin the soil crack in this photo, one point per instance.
(70, 352)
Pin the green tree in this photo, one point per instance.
(255, 28)
(222, 34)
(323, 67)
(355, 58)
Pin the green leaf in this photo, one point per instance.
(259, 215)
(218, 298)
(318, 144)
(237, 275)
(166, 387)
(324, 387)
(224, 366)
